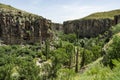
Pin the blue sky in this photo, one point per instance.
(62, 10)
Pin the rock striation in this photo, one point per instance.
(117, 19)
(87, 27)
(20, 28)
(57, 27)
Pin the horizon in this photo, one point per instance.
(59, 10)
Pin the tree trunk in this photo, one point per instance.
(83, 59)
(76, 66)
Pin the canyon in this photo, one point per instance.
(20, 27)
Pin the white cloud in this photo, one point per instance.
(63, 10)
(69, 12)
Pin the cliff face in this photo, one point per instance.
(117, 19)
(87, 27)
(93, 24)
(18, 28)
(57, 27)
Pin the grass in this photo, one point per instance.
(9, 8)
(99, 72)
(95, 71)
(102, 15)
(99, 15)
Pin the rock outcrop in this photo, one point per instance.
(21, 28)
(57, 27)
(87, 27)
(117, 19)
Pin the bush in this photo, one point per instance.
(69, 37)
(115, 29)
(65, 74)
(112, 51)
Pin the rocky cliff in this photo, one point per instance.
(92, 25)
(88, 27)
(117, 19)
(57, 27)
(18, 27)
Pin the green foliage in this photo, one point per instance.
(65, 74)
(99, 72)
(59, 56)
(96, 50)
(20, 57)
(12, 10)
(28, 70)
(103, 15)
(88, 56)
(91, 50)
(113, 51)
(70, 53)
(68, 37)
(115, 29)
(5, 72)
(6, 7)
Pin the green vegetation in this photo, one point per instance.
(33, 62)
(112, 51)
(67, 57)
(8, 8)
(97, 71)
(102, 15)
(64, 58)
(115, 29)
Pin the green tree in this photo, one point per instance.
(28, 70)
(69, 51)
(69, 37)
(112, 51)
(59, 58)
(47, 48)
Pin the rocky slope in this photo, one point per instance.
(20, 27)
(92, 25)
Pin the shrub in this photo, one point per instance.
(69, 37)
(112, 51)
(115, 29)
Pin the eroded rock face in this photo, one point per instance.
(117, 19)
(16, 28)
(57, 27)
(87, 28)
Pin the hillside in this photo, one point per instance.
(103, 15)
(8, 8)
(92, 25)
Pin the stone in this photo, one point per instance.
(87, 27)
(18, 28)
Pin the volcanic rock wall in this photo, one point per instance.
(57, 27)
(88, 27)
(18, 28)
(117, 19)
